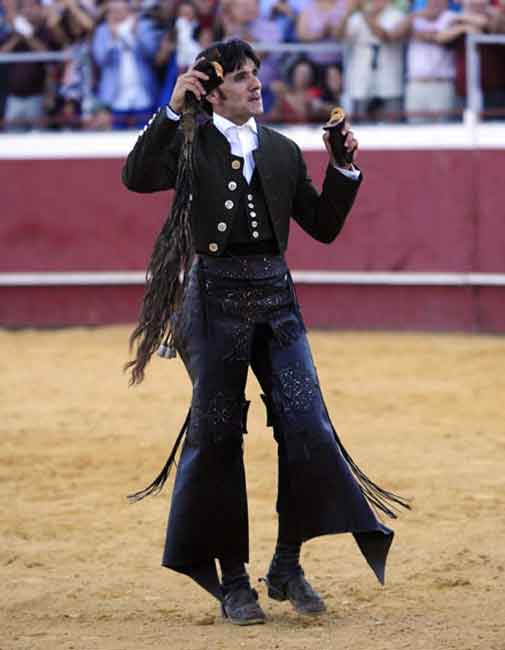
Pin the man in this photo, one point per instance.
(26, 81)
(239, 310)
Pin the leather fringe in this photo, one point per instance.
(383, 500)
(157, 485)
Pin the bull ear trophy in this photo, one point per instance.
(214, 70)
(334, 126)
(173, 252)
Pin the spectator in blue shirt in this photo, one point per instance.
(124, 47)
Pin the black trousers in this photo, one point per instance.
(241, 313)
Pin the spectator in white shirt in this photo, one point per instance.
(374, 58)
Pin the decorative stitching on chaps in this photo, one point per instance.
(224, 418)
(240, 343)
(286, 329)
(295, 389)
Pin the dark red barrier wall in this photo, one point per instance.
(424, 210)
(417, 211)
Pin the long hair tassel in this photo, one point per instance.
(167, 273)
(157, 485)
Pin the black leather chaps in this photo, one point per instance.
(241, 312)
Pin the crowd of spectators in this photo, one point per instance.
(388, 61)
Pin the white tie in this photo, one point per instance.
(243, 142)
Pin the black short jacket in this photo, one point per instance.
(151, 166)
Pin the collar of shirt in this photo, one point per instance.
(243, 140)
(223, 124)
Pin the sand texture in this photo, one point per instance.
(80, 567)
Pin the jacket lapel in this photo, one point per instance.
(264, 154)
(268, 158)
(215, 137)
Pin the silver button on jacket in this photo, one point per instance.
(221, 226)
(228, 204)
(232, 186)
(213, 247)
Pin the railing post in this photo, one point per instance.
(473, 89)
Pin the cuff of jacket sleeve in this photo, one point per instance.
(353, 174)
(172, 115)
(336, 175)
(160, 124)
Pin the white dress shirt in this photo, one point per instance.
(243, 141)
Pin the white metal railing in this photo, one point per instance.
(26, 57)
(34, 57)
(377, 278)
(473, 86)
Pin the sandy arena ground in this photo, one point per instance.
(424, 415)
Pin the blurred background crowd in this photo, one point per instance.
(385, 60)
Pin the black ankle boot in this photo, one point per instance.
(298, 591)
(240, 602)
(240, 606)
(285, 580)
